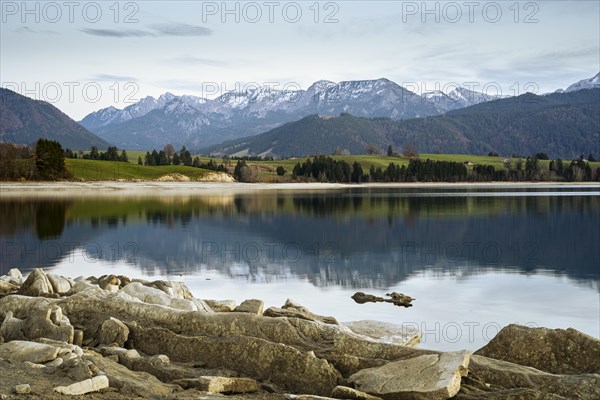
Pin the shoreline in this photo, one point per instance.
(153, 188)
(125, 337)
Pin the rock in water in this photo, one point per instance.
(427, 377)
(558, 351)
(362, 298)
(251, 306)
(89, 385)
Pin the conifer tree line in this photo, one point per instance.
(168, 156)
(327, 169)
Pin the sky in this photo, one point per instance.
(82, 56)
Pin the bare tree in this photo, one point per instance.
(170, 150)
(410, 151)
(372, 149)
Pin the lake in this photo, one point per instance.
(476, 258)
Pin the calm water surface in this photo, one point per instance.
(475, 259)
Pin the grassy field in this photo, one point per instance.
(93, 170)
(268, 174)
(109, 170)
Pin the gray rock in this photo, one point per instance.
(12, 328)
(19, 351)
(48, 323)
(292, 309)
(76, 369)
(60, 285)
(183, 304)
(219, 384)
(129, 382)
(343, 392)
(23, 389)
(15, 275)
(87, 386)
(558, 351)
(221, 305)
(386, 332)
(36, 284)
(497, 379)
(113, 331)
(108, 282)
(201, 305)
(8, 287)
(251, 306)
(427, 377)
(175, 290)
(283, 365)
(147, 294)
(81, 286)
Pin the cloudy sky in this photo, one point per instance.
(82, 56)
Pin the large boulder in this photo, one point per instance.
(427, 377)
(36, 284)
(19, 351)
(60, 284)
(41, 323)
(291, 309)
(133, 383)
(496, 379)
(558, 351)
(260, 359)
(112, 331)
(147, 294)
(251, 306)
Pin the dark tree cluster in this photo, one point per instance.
(44, 161)
(326, 169)
(168, 156)
(111, 154)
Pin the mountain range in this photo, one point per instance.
(198, 122)
(24, 121)
(560, 124)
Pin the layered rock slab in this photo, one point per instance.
(426, 377)
(557, 351)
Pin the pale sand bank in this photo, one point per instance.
(108, 188)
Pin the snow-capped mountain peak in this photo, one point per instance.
(591, 83)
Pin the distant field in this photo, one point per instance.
(111, 170)
(268, 174)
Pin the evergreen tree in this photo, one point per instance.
(50, 160)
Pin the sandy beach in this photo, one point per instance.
(152, 188)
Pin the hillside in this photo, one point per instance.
(561, 125)
(25, 120)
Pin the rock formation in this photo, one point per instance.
(136, 338)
